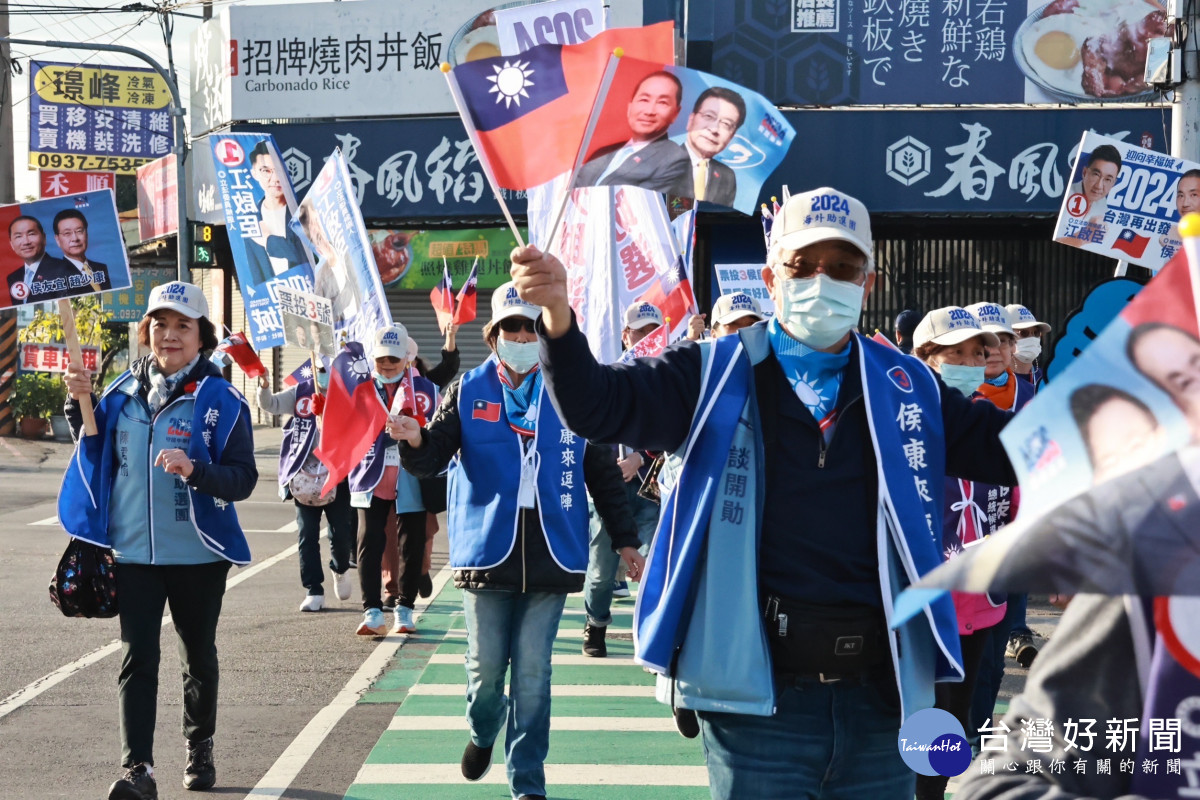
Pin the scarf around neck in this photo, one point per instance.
(814, 376)
(1003, 395)
(521, 402)
(163, 386)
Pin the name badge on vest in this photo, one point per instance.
(391, 456)
(527, 493)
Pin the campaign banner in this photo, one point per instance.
(413, 259)
(747, 278)
(307, 321)
(557, 22)
(37, 357)
(687, 133)
(257, 197)
(346, 273)
(158, 198)
(56, 183)
(841, 52)
(1126, 201)
(62, 247)
(129, 305)
(88, 117)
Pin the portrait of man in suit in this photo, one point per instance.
(715, 118)
(28, 240)
(71, 235)
(648, 159)
(277, 248)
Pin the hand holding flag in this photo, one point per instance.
(238, 348)
(464, 303)
(442, 298)
(355, 415)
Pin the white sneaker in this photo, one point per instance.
(313, 602)
(404, 620)
(373, 623)
(341, 585)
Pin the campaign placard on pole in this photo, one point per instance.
(61, 247)
(38, 357)
(307, 321)
(346, 273)
(1125, 201)
(747, 278)
(259, 204)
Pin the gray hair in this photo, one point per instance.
(778, 255)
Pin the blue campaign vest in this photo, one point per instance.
(485, 480)
(83, 501)
(300, 434)
(674, 632)
(366, 474)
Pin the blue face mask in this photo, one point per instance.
(965, 379)
(819, 311)
(394, 379)
(322, 380)
(520, 357)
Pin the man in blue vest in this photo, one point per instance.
(810, 495)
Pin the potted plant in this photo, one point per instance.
(59, 427)
(33, 401)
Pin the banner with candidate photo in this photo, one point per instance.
(307, 321)
(259, 204)
(686, 133)
(1108, 461)
(1125, 201)
(329, 218)
(62, 247)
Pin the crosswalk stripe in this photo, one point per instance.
(557, 690)
(563, 633)
(557, 660)
(598, 724)
(47, 521)
(557, 775)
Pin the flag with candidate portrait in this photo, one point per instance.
(1108, 459)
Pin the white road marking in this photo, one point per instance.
(293, 759)
(556, 775)
(29, 692)
(557, 660)
(457, 722)
(47, 521)
(556, 690)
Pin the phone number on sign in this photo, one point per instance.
(124, 166)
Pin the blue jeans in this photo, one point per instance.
(826, 741)
(603, 560)
(503, 628)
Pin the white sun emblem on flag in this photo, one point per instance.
(511, 81)
(359, 367)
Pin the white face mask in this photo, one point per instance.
(819, 311)
(394, 379)
(520, 357)
(1028, 350)
(965, 379)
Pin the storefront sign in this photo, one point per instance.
(129, 305)
(55, 357)
(158, 199)
(414, 259)
(56, 183)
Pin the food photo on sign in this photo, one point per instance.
(62, 247)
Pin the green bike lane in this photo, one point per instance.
(609, 737)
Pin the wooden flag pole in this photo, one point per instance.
(72, 336)
(473, 135)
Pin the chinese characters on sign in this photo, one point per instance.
(129, 305)
(97, 118)
(55, 357)
(56, 183)
(307, 320)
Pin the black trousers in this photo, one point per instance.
(342, 526)
(956, 698)
(194, 593)
(372, 537)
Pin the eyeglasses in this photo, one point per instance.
(388, 359)
(848, 271)
(725, 124)
(1029, 333)
(516, 325)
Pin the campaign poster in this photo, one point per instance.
(307, 321)
(62, 247)
(686, 133)
(414, 259)
(257, 196)
(747, 278)
(330, 219)
(558, 22)
(1125, 202)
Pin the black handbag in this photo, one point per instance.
(85, 583)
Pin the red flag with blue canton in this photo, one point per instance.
(489, 412)
(442, 298)
(530, 111)
(304, 372)
(1130, 243)
(354, 415)
(239, 349)
(464, 304)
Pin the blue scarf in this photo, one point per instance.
(520, 402)
(999, 380)
(815, 376)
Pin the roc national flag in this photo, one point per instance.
(442, 298)
(354, 415)
(464, 304)
(527, 113)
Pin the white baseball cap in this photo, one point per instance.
(639, 315)
(735, 306)
(392, 341)
(1021, 319)
(507, 303)
(820, 215)
(951, 325)
(186, 298)
(991, 317)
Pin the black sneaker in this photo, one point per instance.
(1022, 649)
(686, 722)
(593, 641)
(200, 773)
(476, 761)
(532, 797)
(425, 587)
(138, 784)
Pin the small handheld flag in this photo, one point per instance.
(442, 298)
(464, 304)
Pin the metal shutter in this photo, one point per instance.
(412, 309)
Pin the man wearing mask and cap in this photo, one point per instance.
(1029, 343)
(784, 648)
(730, 314)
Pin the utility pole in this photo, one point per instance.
(8, 195)
(1185, 117)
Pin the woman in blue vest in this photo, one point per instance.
(157, 484)
(518, 527)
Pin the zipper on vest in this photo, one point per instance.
(524, 581)
(825, 447)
